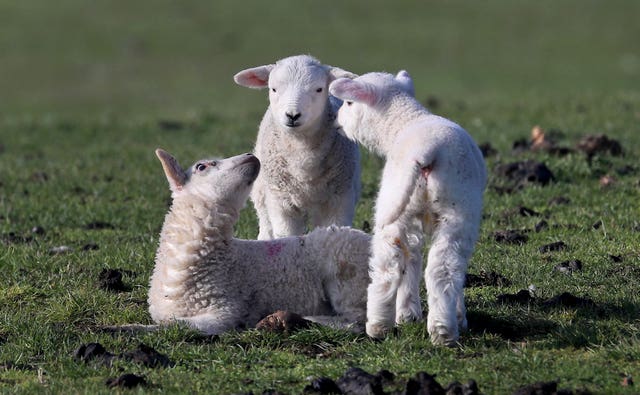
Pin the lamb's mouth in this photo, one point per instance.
(250, 167)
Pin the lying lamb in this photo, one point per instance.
(432, 182)
(214, 282)
(310, 172)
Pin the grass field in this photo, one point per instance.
(89, 89)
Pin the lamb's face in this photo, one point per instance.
(298, 94)
(223, 180)
(218, 181)
(298, 89)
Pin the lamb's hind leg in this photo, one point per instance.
(444, 277)
(388, 261)
(408, 307)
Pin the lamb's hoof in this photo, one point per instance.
(377, 330)
(407, 317)
(283, 322)
(440, 336)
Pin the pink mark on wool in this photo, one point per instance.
(274, 249)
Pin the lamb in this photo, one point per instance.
(214, 282)
(432, 182)
(310, 172)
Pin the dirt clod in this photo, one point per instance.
(357, 381)
(510, 236)
(144, 355)
(14, 238)
(322, 385)
(111, 280)
(283, 321)
(539, 388)
(90, 247)
(38, 230)
(93, 351)
(598, 144)
(487, 150)
(520, 174)
(568, 267)
(127, 380)
(540, 226)
(484, 279)
(148, 357)
(551, 247)
(521, 297)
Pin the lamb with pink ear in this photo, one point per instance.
(432, 185)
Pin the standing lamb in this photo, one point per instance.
(214, 282)
(310, 172)
(432, 183)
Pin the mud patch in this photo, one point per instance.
(486, 279)
(487, 150)
(111, 280)
(147, 356)
(569, 267)
(547, 388)
(520, 174)
(357, 381)
(127, 380)
(143, 354)
(592, 145)
(510, 236)
(283, 322)
(521, 297)
(553, 247)
(14, 238)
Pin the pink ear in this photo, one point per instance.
(350, 90)
(257, 77)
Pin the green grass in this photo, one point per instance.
(84, 89)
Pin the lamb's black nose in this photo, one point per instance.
(293, 117)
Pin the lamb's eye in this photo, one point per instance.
(273, 90)
(349, 103)
(319, 90)
(201, 167)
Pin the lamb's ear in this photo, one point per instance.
(337, 72)
(256, 77)
(175, 175)
(404, 78)
(352, 90)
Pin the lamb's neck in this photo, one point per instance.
(402, 111)
(194, 226)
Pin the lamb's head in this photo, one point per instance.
(366, 101)
(212, 181)
(298, 89)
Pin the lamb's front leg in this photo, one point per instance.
(285, 219)
(338, 210)
(389, 259)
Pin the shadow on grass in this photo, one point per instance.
(509, 328)
(590, 323)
